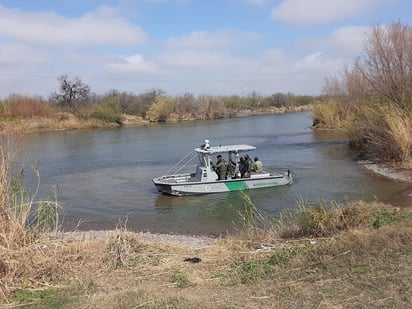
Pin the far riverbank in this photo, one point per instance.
(69, 121)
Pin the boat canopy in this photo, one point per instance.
(224, 149)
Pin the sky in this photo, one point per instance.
(203, 47)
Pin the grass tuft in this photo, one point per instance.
(181, 280)
(324, 219)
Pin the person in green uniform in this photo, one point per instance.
(248, 166)
(220, 168)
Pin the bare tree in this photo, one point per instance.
(387, 62)
(72, 94)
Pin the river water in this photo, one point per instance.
(104, 176)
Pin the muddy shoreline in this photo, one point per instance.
(398, 175)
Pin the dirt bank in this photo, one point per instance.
(192, 242)
(397, 175)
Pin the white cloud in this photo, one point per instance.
(203, 39)
(310, 61)
(132, 64)
(349, 39)
(37, 47)
(20, 55)
(102, 26)
(302, 12)
(258, 2)
(197, 60)
(343, 42)
(218, 72)
(178, 2)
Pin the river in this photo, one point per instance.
(104, 176)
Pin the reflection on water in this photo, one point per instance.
(106, 175)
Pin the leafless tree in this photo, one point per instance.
(72, 94)
(387, 62)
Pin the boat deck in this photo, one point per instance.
(180, 179)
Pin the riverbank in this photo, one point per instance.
(394, 174)
(355, 258)
(68, 121)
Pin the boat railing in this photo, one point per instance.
(182, 164)
(176, 178)
(260, 175)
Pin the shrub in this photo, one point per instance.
(107, 112)
(26, 107)
(386, 216)
(383, 133)
(331, 114)
(373, 100)
(161, 110)
(323, 219)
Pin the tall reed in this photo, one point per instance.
(383, 132)
(22, 217)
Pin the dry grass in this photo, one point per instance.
(372, 100)
(17, 106)
(382, 131)
(330, 115)
(22, 218)
(361, 264)
(60, 121)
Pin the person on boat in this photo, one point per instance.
(257, 166)
(220, 168)
(231, 167)
(248, 166)
(242, 169)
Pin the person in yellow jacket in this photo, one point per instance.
(257, 166)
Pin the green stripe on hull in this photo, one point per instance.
(236, 185)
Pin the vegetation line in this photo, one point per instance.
(75, 107)
(372, 101)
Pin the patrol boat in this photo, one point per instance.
(205, 179)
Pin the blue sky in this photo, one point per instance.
(213, 47)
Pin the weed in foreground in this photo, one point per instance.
(45, 299)
(324, 219)
(122, 247)
(386, 216)
(23, 220)
(181, 280)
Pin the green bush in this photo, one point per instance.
(107, 112)
(386, 216)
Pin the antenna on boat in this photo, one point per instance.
(206, 145)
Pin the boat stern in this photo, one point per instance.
(168, 184)
(289, 177)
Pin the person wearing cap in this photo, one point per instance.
(220, 168)
(257, 166)
(248, 166)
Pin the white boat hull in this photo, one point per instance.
(185, 185)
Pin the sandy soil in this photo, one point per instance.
(192, 242)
